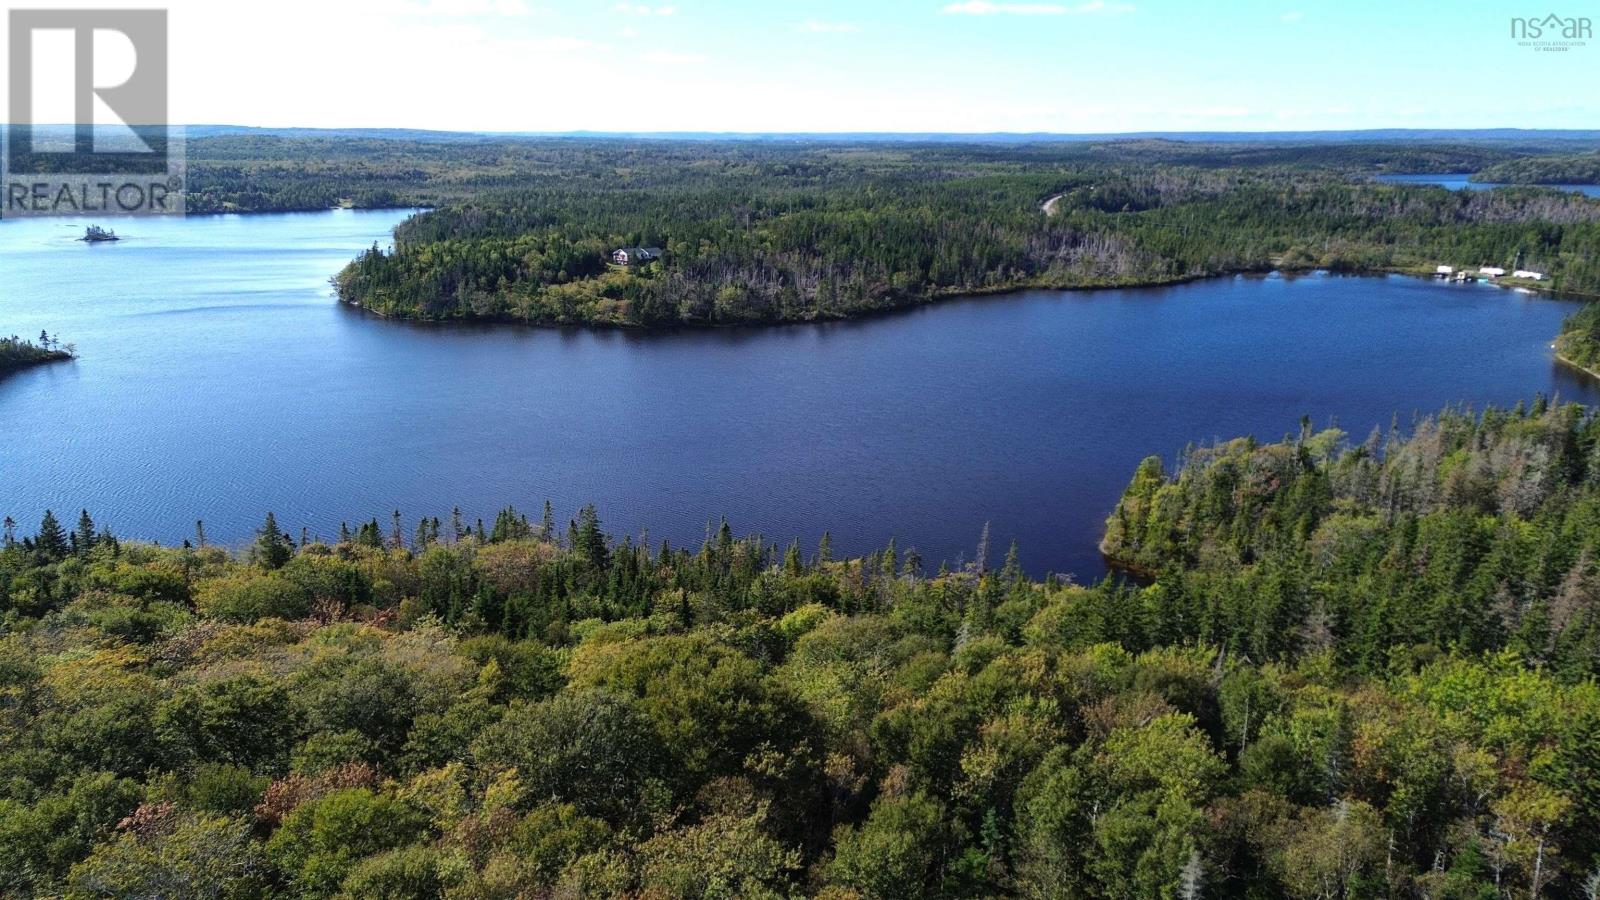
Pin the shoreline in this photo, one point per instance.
(241, 212)
(57, 356)
(1592, 373)
(940, 296)
(922, 301)
(1115, 563)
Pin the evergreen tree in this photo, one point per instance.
(1011, 571)
(273, 547)
(52, 539)
(83, 536)
(547, 524)
(590, 540)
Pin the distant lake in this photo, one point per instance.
(1461, 182)
(218, 380)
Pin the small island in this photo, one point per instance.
(94, 234)
(17, 353)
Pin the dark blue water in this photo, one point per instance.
(1460, 183)
(218, 380)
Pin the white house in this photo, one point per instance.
(1445, 270)
(1492, 271)
(1524, 273)
(635, 256)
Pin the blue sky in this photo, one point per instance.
(890, 65)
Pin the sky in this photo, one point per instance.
(868, 65)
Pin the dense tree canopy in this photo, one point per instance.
(754, 234)
(1578, 168)
(1353, 670)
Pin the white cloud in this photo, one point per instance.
(560, 44)
(640, 9)
(987, 8)
(812, 26)
(1292, 16)
(675, 59)
(460, 8)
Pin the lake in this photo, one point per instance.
(218, 380)
(1461, 183)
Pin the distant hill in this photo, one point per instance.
(1521, 135)
(397, 134)
(1513, 135)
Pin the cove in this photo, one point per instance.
(218, 380)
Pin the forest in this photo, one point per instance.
(1579, 341)
(298, 170)
(522, 229)
(1346, 669)
(760, 233)
(1578, 168)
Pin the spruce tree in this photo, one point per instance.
(591, 541)
(83, 537)
(1012, 570)
(52, 540)
(273, 548)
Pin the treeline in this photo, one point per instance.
(1475, 534)
(1580, 168)
(1359, 671)
(1579, 341)
(755, 234)
(308, 170)
(17, 353)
